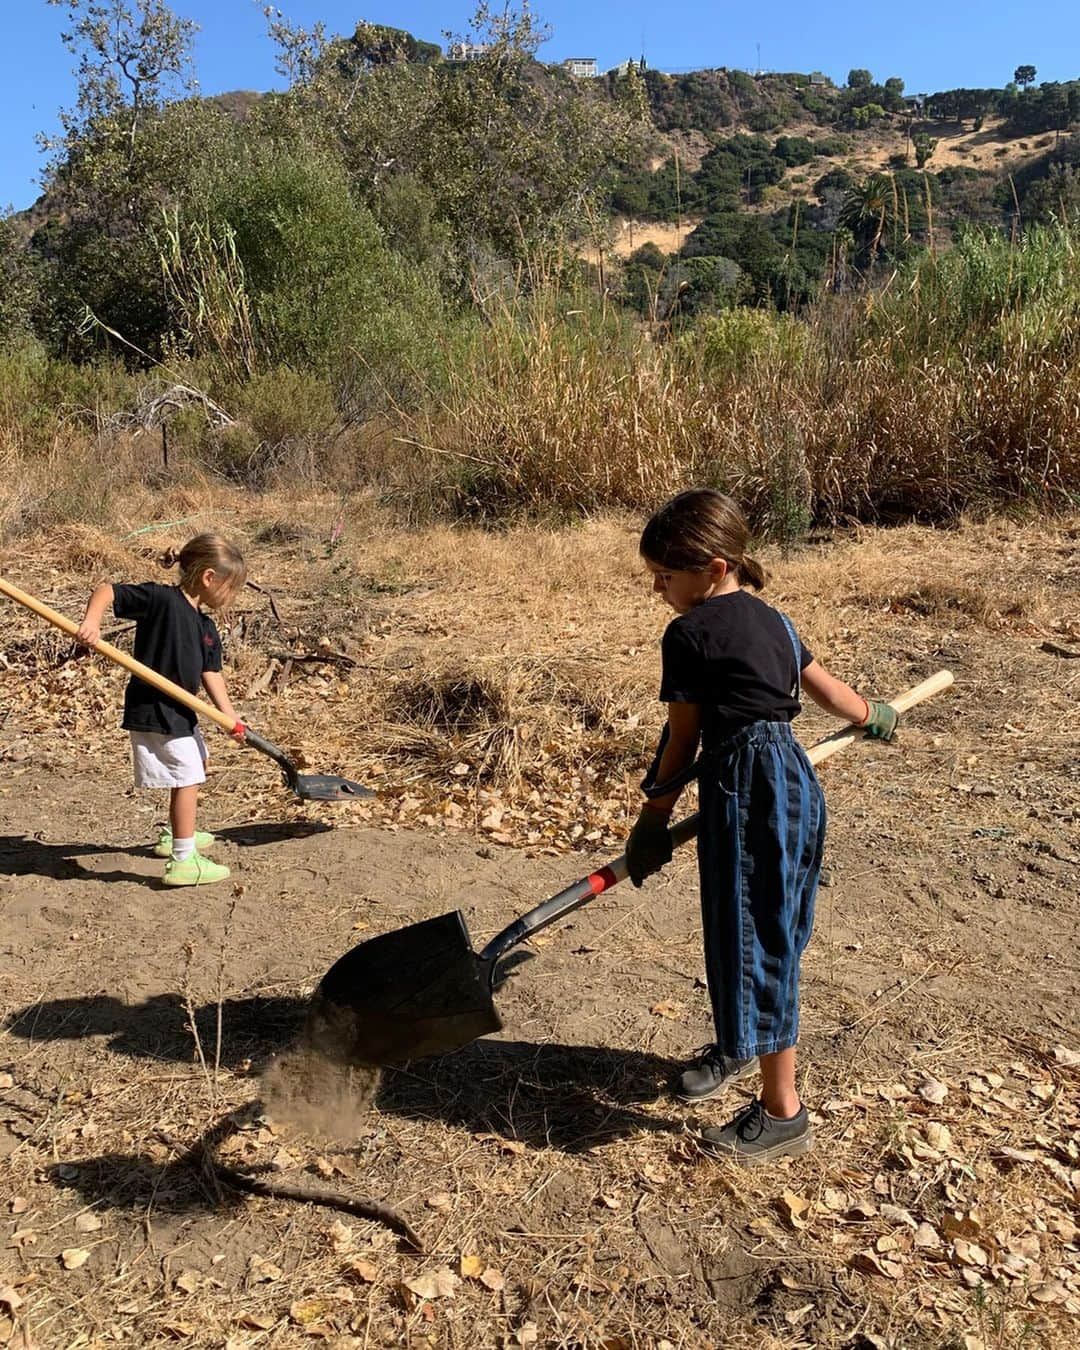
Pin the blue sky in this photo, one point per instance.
(929, 45)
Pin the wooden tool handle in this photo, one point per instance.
(581, 892)
(918, 693)
(129, 663)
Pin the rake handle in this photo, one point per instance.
(581, 892)
(121, 658)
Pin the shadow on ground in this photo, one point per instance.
(569, 1097)
(23, 856)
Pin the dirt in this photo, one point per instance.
(139, 1022)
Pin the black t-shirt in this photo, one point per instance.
(732, 655)
(173, 638)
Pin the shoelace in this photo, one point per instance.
(751, 1124)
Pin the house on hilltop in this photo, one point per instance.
(467, 51)
(581, 67)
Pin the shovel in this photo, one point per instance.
(309, 787)
(423, 990)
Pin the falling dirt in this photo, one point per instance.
(316, 1085)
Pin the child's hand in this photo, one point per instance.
(89, 633)
(882, 720)
(649, 846)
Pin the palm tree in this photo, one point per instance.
(868, 207)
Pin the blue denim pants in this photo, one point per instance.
(759, 854)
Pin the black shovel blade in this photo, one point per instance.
(324, 787)
(417, 991)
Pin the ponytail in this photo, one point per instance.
(695, 527)
(750, 572)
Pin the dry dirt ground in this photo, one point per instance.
(498, 689)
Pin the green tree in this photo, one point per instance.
(131, 55)
(859, 79)
(1024, 75)
(925, 146)
(868, 210)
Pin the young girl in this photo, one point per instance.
(732, 669)
(174, 637)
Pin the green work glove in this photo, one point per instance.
(649, 846)
(882, 721)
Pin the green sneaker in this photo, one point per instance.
(163, 847)
(194, 871)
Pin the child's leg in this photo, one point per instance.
(778, 1094)
(183, 805)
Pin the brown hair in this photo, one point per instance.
(213, 551)
(695, 527)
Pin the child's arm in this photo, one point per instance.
(90, 628)
(649, 846)
(214, 684)
(684, 732)
(841, 700)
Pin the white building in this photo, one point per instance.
(581, 67)
(467, 51)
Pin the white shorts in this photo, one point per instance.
(168, 761)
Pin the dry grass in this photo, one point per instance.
(528, 656)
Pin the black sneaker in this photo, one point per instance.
(753, 1136)
(711, 1073)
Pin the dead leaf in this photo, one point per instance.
(253, 1321)
(938, 1137)
(261, 1271)
(6, 1080)
(363, 1270)
(441, 1283)
(932, 1090)
(1053, 1291)
(869, 1261)
(24, 1237)
(87, 1223)
(74, 1257)
(324, 1167)
(472, 1267)
(926, 1235)
(1063, 1055)
(897, 1215)
(19, 1204)
(438, 1200)
(340, 1235)
(307, 1310)
(611, 1201)
(188, 1281)
(493, 1279)
(794, 1208)
(666, 1008)
(970, 1253)
(834, 1199)
(10, 1299)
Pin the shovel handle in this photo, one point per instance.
(121, 658)
(581, 892)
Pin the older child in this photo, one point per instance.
(174, 637)
(732, 669)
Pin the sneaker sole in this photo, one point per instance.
(791, 1148)
(201, 881)
(736, 1077)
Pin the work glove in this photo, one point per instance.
(882, 720)
(649, 846)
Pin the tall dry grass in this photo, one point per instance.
(954, 387)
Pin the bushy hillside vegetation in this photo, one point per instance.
(378, 277)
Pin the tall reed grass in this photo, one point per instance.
(953, 387)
